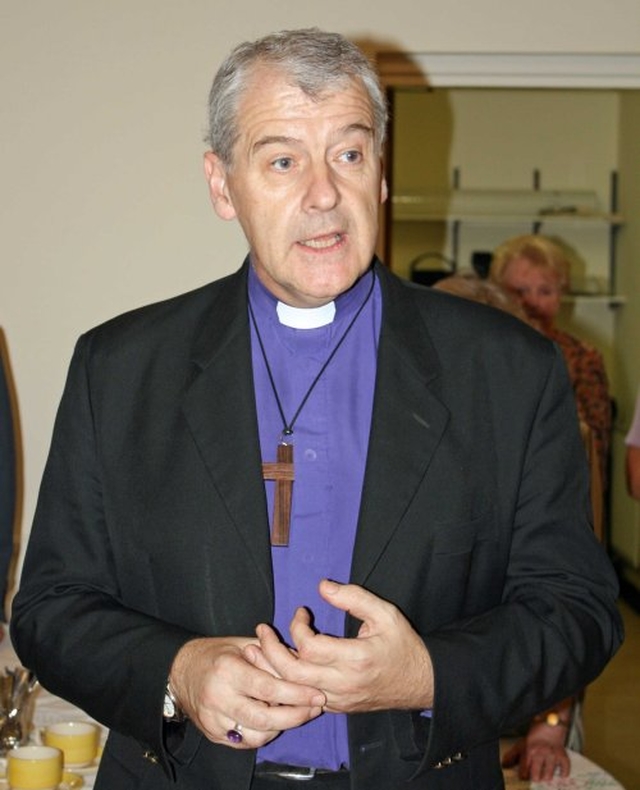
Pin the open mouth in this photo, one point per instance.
(322, 242)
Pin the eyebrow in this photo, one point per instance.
(273, 139)
(283, 139)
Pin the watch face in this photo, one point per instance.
(169, 708)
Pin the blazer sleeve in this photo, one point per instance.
(557, 624)
(69, 623)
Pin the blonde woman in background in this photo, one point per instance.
(536, 271)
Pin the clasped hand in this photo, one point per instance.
(267, 686)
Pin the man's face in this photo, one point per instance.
(305, 185)
(537, 289)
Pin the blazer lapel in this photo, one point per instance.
(408, 422)
(220, 409)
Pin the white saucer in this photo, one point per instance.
(71, 780)
(75, 784)
(84, 770)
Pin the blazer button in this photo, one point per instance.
(443, 763)
(152, 757)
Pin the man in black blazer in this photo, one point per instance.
(477, 594)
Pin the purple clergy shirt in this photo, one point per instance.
(330, 438)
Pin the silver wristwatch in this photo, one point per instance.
(171, 710)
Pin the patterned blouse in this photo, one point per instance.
(591, 390)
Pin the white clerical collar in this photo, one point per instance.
(306, 317)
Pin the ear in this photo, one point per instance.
(216, 175)
(384, 190)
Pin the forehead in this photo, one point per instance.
(523, 268)
(271, 102)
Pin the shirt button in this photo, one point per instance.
(310, 455)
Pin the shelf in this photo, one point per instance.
(493, 206)
(610, 300)
(575, 214)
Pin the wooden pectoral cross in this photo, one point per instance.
(282, 472)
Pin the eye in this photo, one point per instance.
(352, 156)
(282, 163)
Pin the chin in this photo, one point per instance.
(327, 288)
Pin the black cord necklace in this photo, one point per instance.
(282, 471)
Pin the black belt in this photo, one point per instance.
(296, 772)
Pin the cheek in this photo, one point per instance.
(554, 300)
(262, 222)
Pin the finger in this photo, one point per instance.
(314, 647)
(243, 691)
(276, 654)
(316, 661)
(330, 663)
(256, 656)
(549, 762)
(287, 686)
(546, 771)
(283, 659)
(564, 763)
(540, 768)
(530, 771)
(278, 691)
(360, 603)
(239, 737)
(259, 722)
(264, 721)
(257, 726)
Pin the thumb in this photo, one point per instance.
(352, 598)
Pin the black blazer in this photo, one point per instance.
(152, 528)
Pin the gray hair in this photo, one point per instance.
(315, 60)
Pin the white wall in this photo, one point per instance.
(102, 109)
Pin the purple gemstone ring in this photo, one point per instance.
(235, 735)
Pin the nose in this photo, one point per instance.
(531, 299)
(322, 193)
(532, 305)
